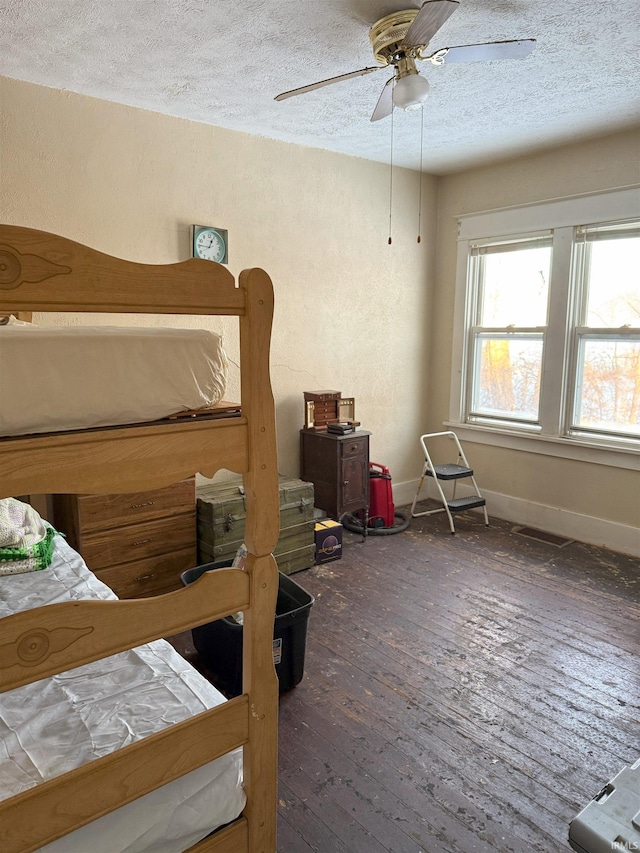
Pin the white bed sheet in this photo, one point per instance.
(62, 722)
(65, 378)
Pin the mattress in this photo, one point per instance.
(66, 378)
(59, 723)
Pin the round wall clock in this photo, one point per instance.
(210, 243)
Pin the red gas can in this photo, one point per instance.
(381, 508)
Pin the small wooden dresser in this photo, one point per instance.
(138, 544)
(338, 467)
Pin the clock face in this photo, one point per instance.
(209, 244)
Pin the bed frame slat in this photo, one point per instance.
(74, 633)
(44, 272)
(92, 790)
(121, 459)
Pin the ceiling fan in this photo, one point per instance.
(401, 39)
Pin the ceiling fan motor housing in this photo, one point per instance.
(401, 39)
(387, 35)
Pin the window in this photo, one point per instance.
(510, 296)
(547, 342)
(606, 396)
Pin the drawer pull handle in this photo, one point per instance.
(346, 483)
(142, 541)
(145, 577)
(147, 503)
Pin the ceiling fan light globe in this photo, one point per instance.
(410, 92)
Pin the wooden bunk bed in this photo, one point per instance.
(41, 272)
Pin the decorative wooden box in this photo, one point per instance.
(327, 407)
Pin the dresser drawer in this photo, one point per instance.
(98, 512)
(153, 576)
(137, 541)
(355, 447)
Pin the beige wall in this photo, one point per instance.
(593, 491)
(350, 309)
(352, 313)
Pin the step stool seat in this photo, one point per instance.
(450, 472)
(460, 504)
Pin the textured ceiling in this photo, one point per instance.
(222, 62)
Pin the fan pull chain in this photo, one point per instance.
(420, 191)
(391, 177)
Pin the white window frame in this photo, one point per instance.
(580, 332)
(474, 295)
(562, 217)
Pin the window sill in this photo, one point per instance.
(565, 448)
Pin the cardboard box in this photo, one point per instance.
(328, 541)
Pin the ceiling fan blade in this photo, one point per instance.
(428, 21)
(327, 82)
(384, 107)
(491, 50)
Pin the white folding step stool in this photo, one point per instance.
(458, 470)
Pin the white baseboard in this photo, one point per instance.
(572, 525)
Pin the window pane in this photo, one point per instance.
(507, 377)
(608, 396)
(516, 287)
(614, 283)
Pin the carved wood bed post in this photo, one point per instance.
(261, 535)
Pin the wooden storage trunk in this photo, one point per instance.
(221, 515)
(295, 547)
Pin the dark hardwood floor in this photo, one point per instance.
(461, 693)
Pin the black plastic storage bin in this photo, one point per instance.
(219, 643)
